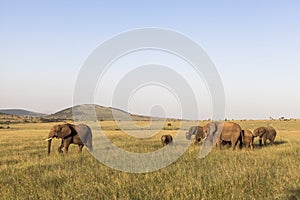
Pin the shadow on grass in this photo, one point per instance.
(9, 162)
(294, 194)
(280, 142)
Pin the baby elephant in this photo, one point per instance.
(166, 139)
(247, 138)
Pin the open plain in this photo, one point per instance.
(270, 172)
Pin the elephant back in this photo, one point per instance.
(85, 135)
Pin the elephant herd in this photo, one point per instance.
(232, 133)
(223, 133)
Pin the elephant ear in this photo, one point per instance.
(261, 131)
(213, 134)
(64, 131)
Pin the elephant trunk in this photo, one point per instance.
(255, 133)
(49, 145)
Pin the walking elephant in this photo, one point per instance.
(265, 133)
(199, 135)
(228, 132)
(247, 138)
(71, 134)
(166, 139)
(197, 131)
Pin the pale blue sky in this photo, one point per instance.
(255, 46)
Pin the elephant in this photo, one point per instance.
(247, 138)
(230, 132)
(193, 130)
(199, 135)
(264, 133)
(166, 139)
(80, 134)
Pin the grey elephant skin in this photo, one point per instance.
(227, 132)
(265, 133)
(198, 132)
(166, 139)
(247, 138)
(80, 134)
(192, 131)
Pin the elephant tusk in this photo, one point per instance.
(49, 139)
(205, 138)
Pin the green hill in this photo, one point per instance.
(21, 112)
(9, 119)
(102, 114)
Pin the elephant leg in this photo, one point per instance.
(240, 139)
(219, 144)
(265, 141)
(233, 143)
(247, 146)
(66, 146)
(61, 146)
(241, 143)
(272, 140)
(233, 146)
(260, 141)
(80, 148)
(251, 145)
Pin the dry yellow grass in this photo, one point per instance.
(270, 172)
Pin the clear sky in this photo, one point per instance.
(255, 46)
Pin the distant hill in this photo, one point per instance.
(21, 112)
(102, 114)
(9, 119)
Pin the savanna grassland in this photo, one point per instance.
(271, 172)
